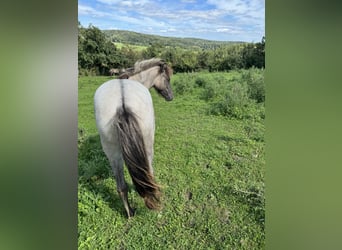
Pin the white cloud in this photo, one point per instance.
(126, 3)
(223, 29)
(237, 6)
(86, 10)
(134, 3)
(241, 8)
(109, 1)
(223, 18)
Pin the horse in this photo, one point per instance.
(125, 121)
(114, 71)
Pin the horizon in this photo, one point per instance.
(213, 20)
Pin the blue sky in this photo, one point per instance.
(222, 20)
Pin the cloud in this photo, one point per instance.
(188, 1)
(241, 8)
(208, 19)
(223, 30)
(109, 2)
(126, 3)
(87, 10)
(237, 6)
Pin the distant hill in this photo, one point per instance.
(134, 38)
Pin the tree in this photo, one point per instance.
(254, 55)
(95, 51)
(129, 56)
(154, 50)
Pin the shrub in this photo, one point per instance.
(254, 78)
(200, 81)
(210, 91)
(183, 84)
(234, 102)
(181, 87)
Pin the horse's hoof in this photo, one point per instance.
(131, 213)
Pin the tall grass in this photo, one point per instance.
(239, 94)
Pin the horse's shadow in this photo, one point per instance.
(94, 170)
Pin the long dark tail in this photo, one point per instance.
(134, 154)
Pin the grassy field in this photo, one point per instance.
(209, 159)
(134, 47)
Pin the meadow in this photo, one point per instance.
(119, 45)
(209, 159)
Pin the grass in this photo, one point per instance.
(211, 168)
(135, 47)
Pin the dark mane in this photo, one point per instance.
(146, 64)
(127, 73)
(143, 65)
(168, 71)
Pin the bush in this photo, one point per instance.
(182, 86)
(214, 86)
(200, 81)
(210, 92)
(183, 83)
(234, 102)
(239, 94)
(254, 78)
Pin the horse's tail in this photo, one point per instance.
(135, 157)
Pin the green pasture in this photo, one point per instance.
(209, 159)
(134, 47)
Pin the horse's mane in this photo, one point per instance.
(127, 73)
(143, 65)
(146, 64)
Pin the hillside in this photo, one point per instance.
(134, 38)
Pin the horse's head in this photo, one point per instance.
(162, 82)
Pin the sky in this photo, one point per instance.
(220, 20)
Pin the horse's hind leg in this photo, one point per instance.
(121, 185)
(114, 156)
(124, 197)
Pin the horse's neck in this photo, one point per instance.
(146, 77)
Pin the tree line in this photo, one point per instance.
(97, 55)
